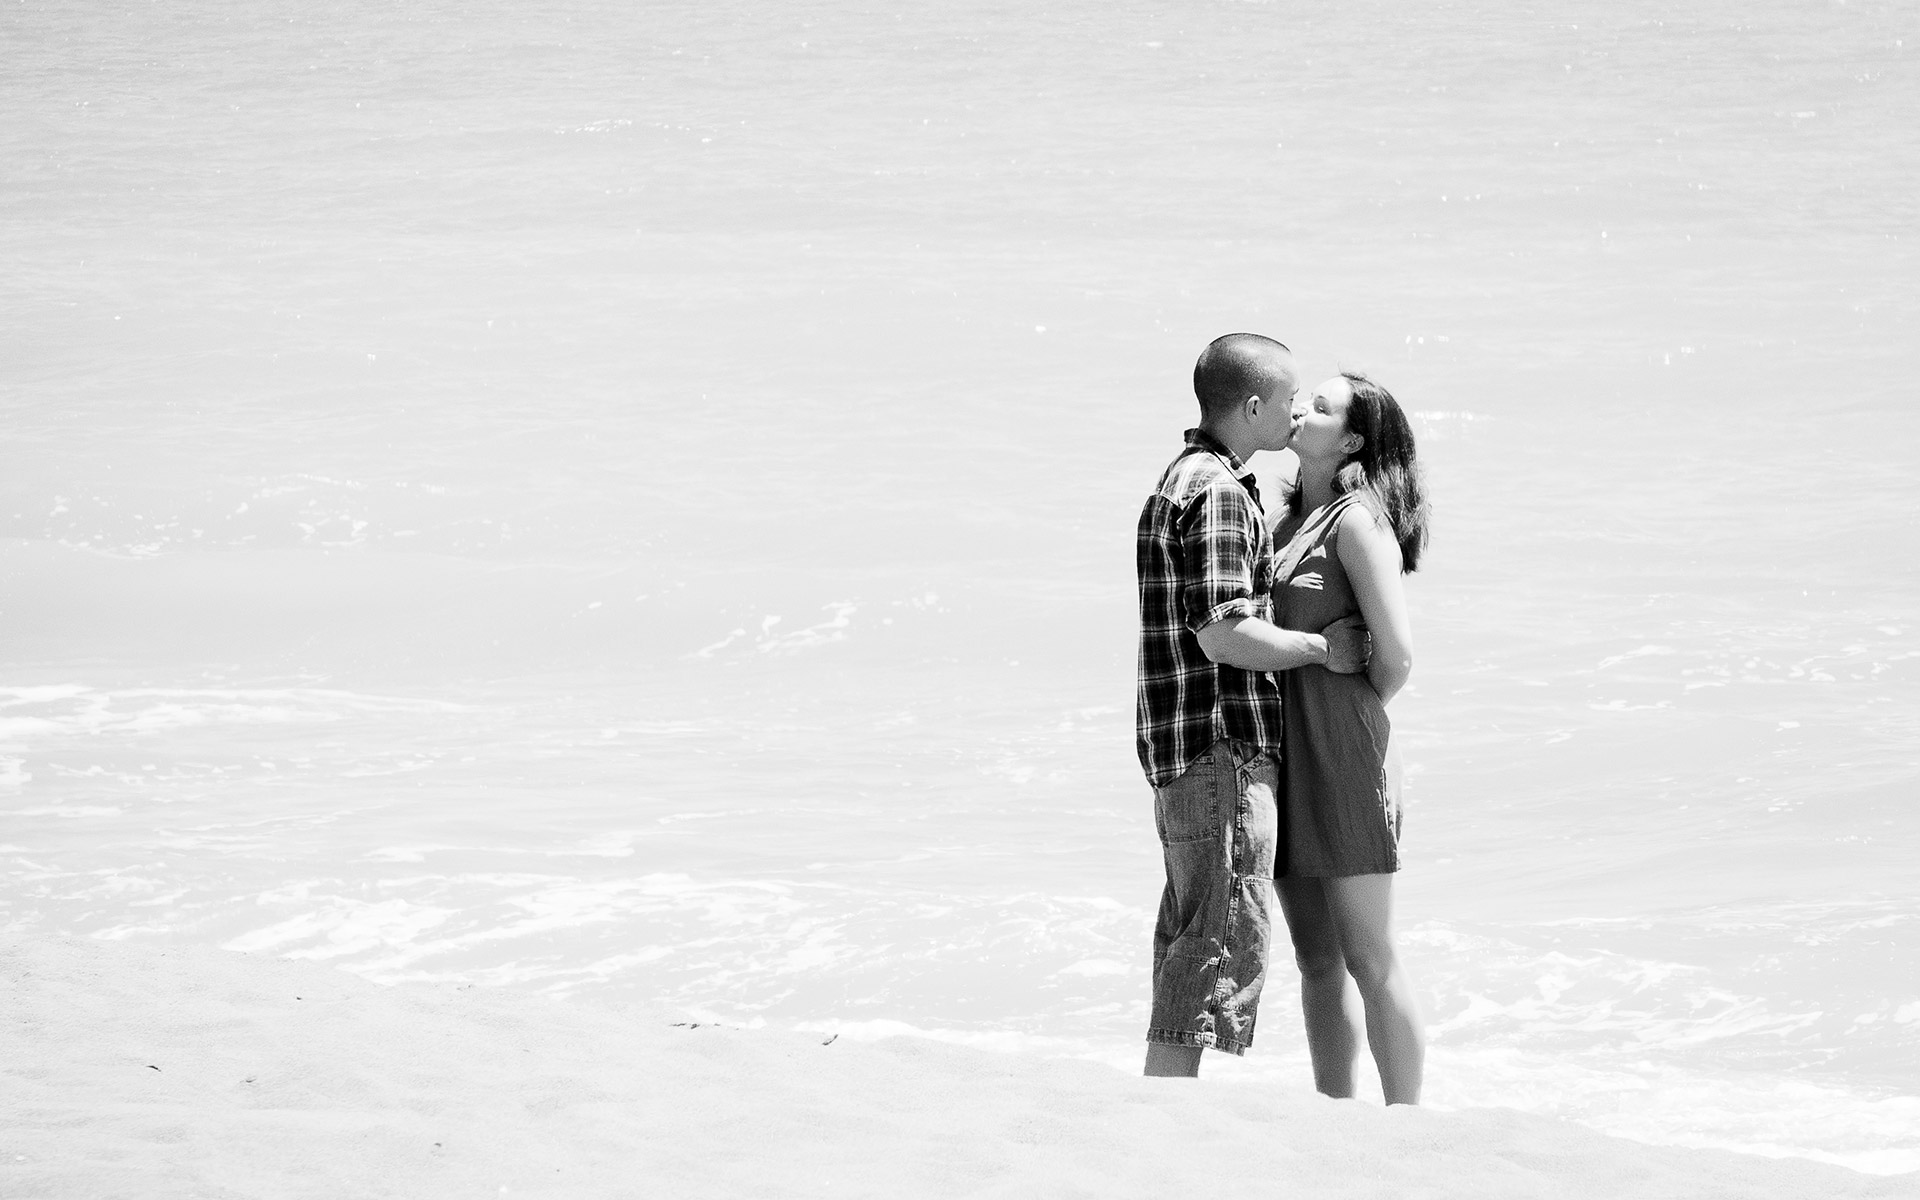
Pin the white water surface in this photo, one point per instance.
(638, 499)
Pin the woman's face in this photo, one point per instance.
(1320, 421)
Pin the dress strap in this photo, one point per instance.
(1334, 511)
(1312, 535)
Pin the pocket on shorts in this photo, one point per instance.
(1189, 808)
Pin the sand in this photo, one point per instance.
(151, 1071)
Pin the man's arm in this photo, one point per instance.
(1256, 645)
(1220, 535)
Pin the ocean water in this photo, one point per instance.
(636, 501)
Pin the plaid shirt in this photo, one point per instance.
(1203, 554)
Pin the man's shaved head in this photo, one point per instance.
(1240, 365)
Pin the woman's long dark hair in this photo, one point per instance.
(1384, 472)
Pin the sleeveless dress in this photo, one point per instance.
(1340, 771)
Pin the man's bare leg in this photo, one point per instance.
(1333, 1036)
(1174, 1062)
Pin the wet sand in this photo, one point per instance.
(139, 1070)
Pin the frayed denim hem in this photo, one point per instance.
(1184, 1037)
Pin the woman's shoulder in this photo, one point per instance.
(1359, 522)
(1361, 533)
(1356, 514)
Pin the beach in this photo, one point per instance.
(144, 1072)
(598, 509)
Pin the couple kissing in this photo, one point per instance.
(1272, 637)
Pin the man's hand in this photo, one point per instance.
(1349, 645)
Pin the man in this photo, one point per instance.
(1207, 711)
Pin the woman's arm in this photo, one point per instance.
(1372, 560)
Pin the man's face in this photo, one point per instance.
(1274, 423)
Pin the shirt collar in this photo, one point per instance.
(1200, 439)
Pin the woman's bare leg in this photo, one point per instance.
(1332, 1037)
(1362, 912)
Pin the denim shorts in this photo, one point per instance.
(1219, 823)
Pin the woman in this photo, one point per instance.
(1355, 523)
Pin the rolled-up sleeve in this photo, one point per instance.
(1220, 542)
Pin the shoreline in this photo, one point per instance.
(152, 1071)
